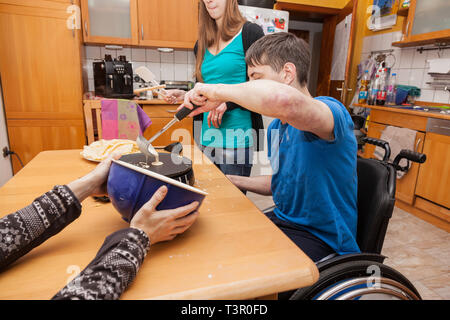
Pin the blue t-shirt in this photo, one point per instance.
(229, 67)
(314, 181)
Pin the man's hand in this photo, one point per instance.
(203, 95)
(165, 224)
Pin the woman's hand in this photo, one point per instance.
(94, 183)
(215, 115)
(174, 96)
(165, 224)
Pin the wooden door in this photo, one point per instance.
(123, 33)
(335, 53)
(40, 69)
(433, 183)
(168, 23)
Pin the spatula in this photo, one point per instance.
(148, 76)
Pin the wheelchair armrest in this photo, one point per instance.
(269, 209)
(350, 257)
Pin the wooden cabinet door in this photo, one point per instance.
(433, 183)
(29, 137)
(179, 132)
(405, 187)
(40, 62)
(110, 22)
(168, 23)
(40, 68)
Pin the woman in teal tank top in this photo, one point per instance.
(226, 132)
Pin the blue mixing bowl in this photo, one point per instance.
(130, 187)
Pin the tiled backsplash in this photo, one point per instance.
(410, 65)
(177, 65)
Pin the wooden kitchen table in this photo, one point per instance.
(231, 252)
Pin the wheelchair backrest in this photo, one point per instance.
(376, 199)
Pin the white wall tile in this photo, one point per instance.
(167, 57)
(181, 56)
(89, 68)
(138, 54)
(167, 71)
(137, 64)
(190, 72)
(397, 53)
(125, 52)
(441, 96)
(104, 51)
(419, 59)
(403, 76)
(416, 77)
(93, 52)
(91, 85)
(426, 78)
(406, 58)
(152, 55)
(385, 41)
(155, 68)
(426, 95)
(191, 56)
(181, 71)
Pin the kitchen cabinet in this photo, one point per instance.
(423, 190)
(169, 23)
(161, 115)
(434, 176)
(110, 21)
(41, 79)
(427, 23)
(155, 23)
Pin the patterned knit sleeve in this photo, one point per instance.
(112, 270)
(27, 228)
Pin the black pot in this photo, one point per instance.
(257, 3)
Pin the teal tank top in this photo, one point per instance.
(227, 67)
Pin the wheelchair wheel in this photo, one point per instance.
(359, 280)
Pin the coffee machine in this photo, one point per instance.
(113, 78)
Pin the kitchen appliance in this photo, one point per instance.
(113, 78)
(270, 20)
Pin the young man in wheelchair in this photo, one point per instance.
(312, 148)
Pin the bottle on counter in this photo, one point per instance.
(381, 93)
(391, 91)
(373, 91)
(364, 90)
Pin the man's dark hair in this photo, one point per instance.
(277, 49)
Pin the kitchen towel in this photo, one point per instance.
(122, 119)
(398, 138)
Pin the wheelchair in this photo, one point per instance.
(363, 276)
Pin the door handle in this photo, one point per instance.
(85, 28)
(142, 31)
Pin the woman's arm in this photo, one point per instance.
(256, 184)
(121, 255)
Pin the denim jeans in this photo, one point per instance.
(231, 161)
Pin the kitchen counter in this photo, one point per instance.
(403, 110)
(153, 101)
